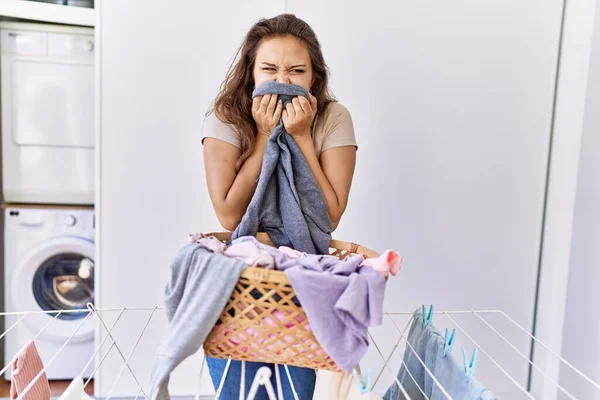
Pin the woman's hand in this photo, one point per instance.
(298, 116)
(266, 111)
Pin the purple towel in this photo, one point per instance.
(340, 298)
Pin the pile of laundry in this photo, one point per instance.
(341, 298)
(254, 253)
(308, 274)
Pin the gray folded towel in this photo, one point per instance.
(288, 203)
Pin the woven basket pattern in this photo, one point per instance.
(263, 321)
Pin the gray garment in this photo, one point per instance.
(198, 289)
(428, 344)
(340, 298)
(288, 203)
(418, 339)
(451, 376)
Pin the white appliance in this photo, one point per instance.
(47, 81)
(49, 265)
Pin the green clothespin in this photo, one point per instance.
(470, 367)
(427, 317)
(366, 386)
(448, 342)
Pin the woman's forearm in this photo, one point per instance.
(243, 187)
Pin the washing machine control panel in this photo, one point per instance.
(68, 221)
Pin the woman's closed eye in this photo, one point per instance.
(295, 70)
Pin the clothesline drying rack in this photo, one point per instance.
(365, 381)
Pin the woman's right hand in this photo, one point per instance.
(266, 111)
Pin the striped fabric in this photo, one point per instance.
(26, 365)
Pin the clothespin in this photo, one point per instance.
(427, 317)
(365, 387)
(470, 367)
(448, 341)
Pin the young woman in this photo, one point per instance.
(236, 130)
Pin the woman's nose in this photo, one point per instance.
(283, 78)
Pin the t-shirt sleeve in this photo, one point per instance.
(339, 129)
(213, 127)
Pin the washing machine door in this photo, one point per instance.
(57, 275)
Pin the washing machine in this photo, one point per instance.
(47, 84)
(49, 265)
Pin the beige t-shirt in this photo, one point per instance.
(332, 129)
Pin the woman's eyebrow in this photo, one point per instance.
(293, 66)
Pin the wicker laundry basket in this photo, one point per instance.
(263, 321)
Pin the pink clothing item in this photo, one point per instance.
(250, 254)
(291, 252)
(194, 237)
(387, 263)
(26, 365)
(210, 242)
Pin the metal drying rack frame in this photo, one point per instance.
(263, 375)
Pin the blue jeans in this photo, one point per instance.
(303, 379)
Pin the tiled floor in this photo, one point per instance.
(56, 387)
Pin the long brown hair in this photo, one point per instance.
(233, 105)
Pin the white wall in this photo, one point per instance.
(581, 343)
(568, 123)
(161, 66)
(452, 107)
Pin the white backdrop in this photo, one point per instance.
(452, 107)
(581, 326)
(161, 66)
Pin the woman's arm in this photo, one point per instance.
(230, 191)
(333, 174)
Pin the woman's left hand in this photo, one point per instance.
(298, 115)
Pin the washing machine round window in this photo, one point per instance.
(64, 281)
(57, 275)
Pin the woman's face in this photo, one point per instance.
(284, 59)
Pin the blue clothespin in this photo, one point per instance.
(448, 342)
(470, 367)
(427, 317)
(366, 387)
